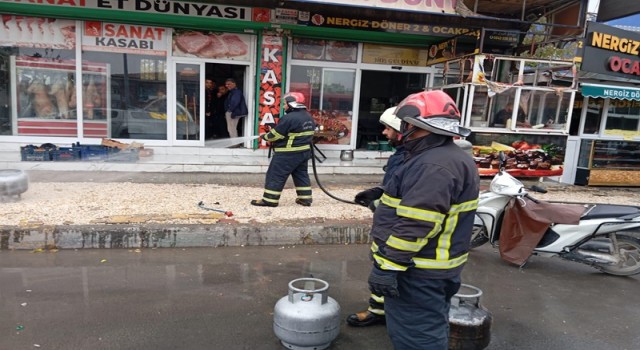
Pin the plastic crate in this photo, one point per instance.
(31, 153)
(128, 155)
(92, 152)
(64, 154)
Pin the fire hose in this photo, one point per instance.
(315, 175)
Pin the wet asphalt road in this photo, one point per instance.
(223, 298)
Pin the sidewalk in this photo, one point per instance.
(71, 210)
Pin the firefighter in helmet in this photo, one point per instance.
(422, 226)
(370, 198)
(291, 140)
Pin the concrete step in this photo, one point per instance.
(198, 159)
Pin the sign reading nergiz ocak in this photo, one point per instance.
(612, 51)
(124, 38)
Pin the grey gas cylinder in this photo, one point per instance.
(307, 318)
(469, 321)
(13, 182)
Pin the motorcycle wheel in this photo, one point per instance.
(629, 255)
(478, 236)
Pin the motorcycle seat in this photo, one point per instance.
(603, 211)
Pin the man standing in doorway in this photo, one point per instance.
(235, 107)
(210, 104)
(422, 227)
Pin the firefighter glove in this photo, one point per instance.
(383, 282)
(366, 197)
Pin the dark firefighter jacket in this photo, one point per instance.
(426, 214)
(293, 133)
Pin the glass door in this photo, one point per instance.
(188, 123)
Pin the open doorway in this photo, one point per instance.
(381, 90)
(216, 74)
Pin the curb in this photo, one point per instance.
(180, 235)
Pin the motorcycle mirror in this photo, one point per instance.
(502, 158)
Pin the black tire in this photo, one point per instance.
(478, 236)
(630, 258)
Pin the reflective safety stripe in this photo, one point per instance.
(303, 188)
(450, 224)
(300, 134)
(420, 214)
(387, 264)
(277, 193)
(288, 148)
(410, 246)
(270, 200)
(379, 312)
(423, 263)
(463, 207)
(275, 136)
(304, 197)
(374, 247)
(377, 298)
(390, 201)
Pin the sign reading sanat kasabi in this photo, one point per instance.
(124, 38)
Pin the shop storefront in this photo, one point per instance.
(135, 74)
(607, 135)
(136, 70)
(512, 105)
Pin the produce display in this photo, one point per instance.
(331, 125)
(523, 159)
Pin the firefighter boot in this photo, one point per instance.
(365, 319)
(303, 202)
(263, 203)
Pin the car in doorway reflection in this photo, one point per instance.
(150, 122)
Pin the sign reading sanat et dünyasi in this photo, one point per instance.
(180, 8)
(612, 51)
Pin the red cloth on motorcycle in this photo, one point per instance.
(525, 223)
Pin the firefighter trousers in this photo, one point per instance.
(282, 165)
(419, 318)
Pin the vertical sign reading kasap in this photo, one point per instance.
(270, 83)
(124, 38)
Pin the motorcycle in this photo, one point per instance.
(599, 239)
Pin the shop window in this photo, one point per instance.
(593, 117)
(329, 93)
(124, 81)
(623, 117)
(324, 50)
(509, 93)
(502, 110)
(124, 93)
(37, 66)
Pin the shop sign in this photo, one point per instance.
(394, 55)
(499, 38)
(612, 51)
(270, 83)
(180, 8)
(431, 6)
(320, 20)
(608, 91)
(125, 38)
(452, 49)
(43, 33)
(191, 43)
(286, 16)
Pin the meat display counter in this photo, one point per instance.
(608, 163)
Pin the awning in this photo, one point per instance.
(611, 91)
